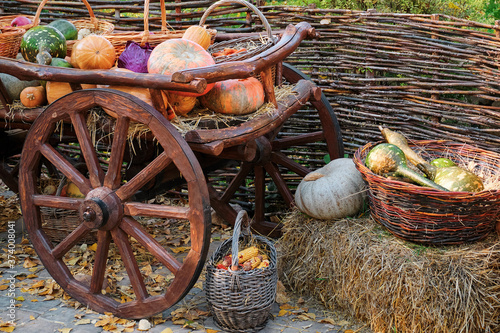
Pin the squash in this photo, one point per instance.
(177, 54)
(181, 105)
(93, 52)
(453, 178)
(442, 162)
(33, 96)
(387, 158)
(56, 90)
(68, 29)
(331, 192)
(14, 86)
(41, 43)
(60, 62)
(199, 35)
(236, 96)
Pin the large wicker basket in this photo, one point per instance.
(96, 26)
(241, 301)
(429, 216)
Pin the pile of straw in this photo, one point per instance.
(393, 285)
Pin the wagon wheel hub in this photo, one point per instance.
(101, 209)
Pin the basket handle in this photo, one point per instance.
(145, 34)
(241, 2)
(241, 218)
(36, 20)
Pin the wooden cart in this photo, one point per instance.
(118, 185)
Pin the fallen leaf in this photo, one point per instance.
(32, 317)
(180, 249)
(83, 322)
(283, 313)
(93, 247)
(327, 321)
(4, 286)
(65, 330)
(343, 323)
(210, 331)
(7, 329)
(28, 262)
(169, 330)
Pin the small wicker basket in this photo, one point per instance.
(6, 20)
(428, 216)
(10, 41)
(241, 301)
(98, 27)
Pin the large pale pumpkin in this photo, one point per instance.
(235, 96)
(57, 90)
(332, 192)
(93, 52)
(177, 54)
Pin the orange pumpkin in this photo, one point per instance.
(32, 97)
(93, 52)
(177, 54)
(181, 105)
(198, 34)
(235, 96)
(57, 90)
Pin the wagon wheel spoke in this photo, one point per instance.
(282, 159)
(150, 210)
(101, 258)
(66, 168)
(143, 177)
(96, 174)
(51, 201)
(71, 240)
(113, 175)
(275, 174)
(127, 255)
(134, 229)
(236, 182)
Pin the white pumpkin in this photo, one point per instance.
(334, 191)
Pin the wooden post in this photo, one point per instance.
(497, 28)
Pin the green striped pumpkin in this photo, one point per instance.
(43, 39)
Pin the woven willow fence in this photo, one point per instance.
(430, 76)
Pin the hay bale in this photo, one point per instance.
(393, 285)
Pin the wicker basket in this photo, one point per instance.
(241, 301)
(98, 27)
(6, 20)
(120, 39)
(10, 41)
(429, 216)
(254, 45)
(59, 223)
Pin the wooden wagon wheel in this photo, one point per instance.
(109, 209)
(277, 170)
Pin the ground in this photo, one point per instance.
(31, 299)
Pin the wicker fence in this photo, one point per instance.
(430, 76)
